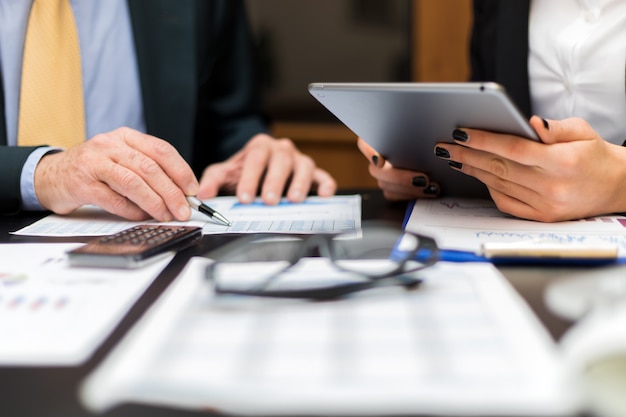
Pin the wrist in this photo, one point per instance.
(48, 184)
(617, 199)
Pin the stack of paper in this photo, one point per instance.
(462, 343)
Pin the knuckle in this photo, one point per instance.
(119, 203)
(571, 164)
(99, 139)
(286, 144)
(557, 203)
(162, 147)
(124, 130)
(502, 186)
(498, 167)
(148, 166)
(129, 181)
(259, 138)
(559, 197)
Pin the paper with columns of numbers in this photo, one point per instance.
(314, 215)
(463, 343)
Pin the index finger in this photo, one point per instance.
(252, 170)
(515, 148)
(166, 156)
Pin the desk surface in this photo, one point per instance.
(51, 391)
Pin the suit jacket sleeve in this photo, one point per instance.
(12, 160)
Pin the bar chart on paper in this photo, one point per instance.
(52, 314)
(314, 215)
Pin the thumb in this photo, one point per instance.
(566, 130)
(370, 153)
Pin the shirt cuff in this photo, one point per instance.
(27, 179)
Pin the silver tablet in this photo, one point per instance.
(404, 121)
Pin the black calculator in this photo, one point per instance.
(134, 247)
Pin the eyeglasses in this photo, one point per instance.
(319, 267)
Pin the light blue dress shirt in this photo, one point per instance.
(110, 76)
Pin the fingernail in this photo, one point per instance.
(546, 125)
(432, 189)
(271, 198)
(455, 164)
(295, 195)
(419, 181)
(246, 198)
(375, 160)
(442, 152)
(184, 212)
(460, 135)
(192, 189)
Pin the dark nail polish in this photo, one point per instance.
(460, 135)
(441, 152)
(546, 125)
(419, 181)
(375, 160)
(455, 164)
(432, 189)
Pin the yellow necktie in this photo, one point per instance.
(51, 97)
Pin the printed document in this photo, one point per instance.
(462, 343)
(465, 224)
(314, 215)
(52, 314)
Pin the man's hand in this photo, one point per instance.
(269, 166)
(125, 172)
(573, 174)
(397, 184)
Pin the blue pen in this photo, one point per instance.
(451, 255)
(465, 256)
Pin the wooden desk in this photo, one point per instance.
(51, 391)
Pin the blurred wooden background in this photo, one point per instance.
(436, 44)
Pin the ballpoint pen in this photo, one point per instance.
(195, 203)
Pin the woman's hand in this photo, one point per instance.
(397, 184)
(573, 173)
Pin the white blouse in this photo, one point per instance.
(577, 62)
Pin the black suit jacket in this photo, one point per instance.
(499, 47)
(197, 81)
